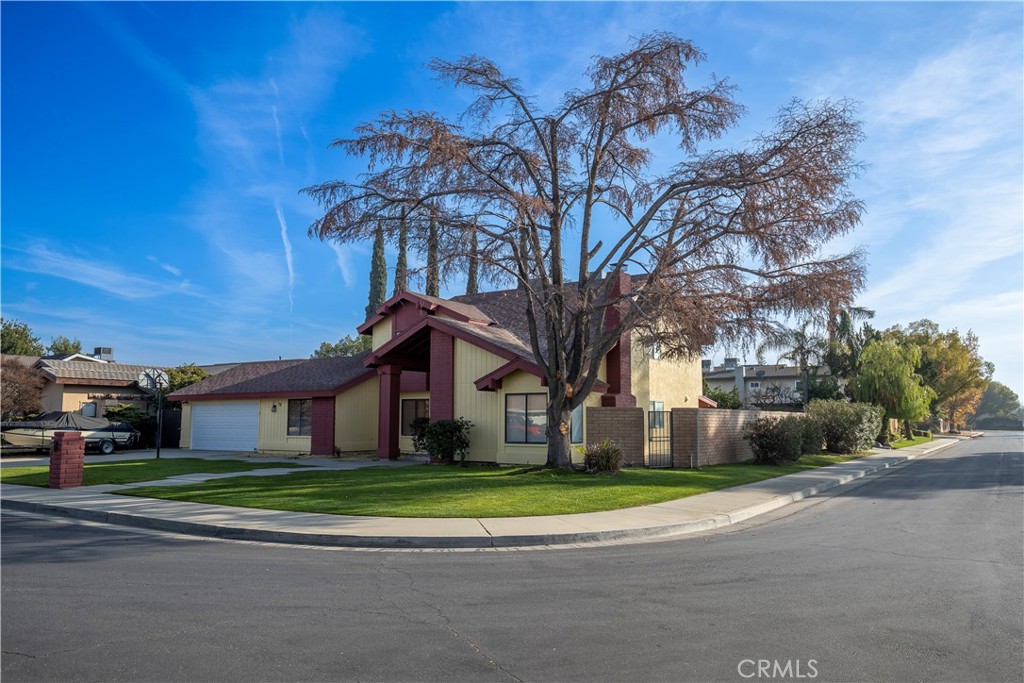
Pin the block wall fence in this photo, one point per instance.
(700, 437)
(624, 426)
(714, 436)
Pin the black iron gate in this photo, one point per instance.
(659, 438)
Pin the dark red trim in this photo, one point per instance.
(705, 402)
(411, 297)
(248, 395)
(377, 357)
(388, 411)
(492, 380)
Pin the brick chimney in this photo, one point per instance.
(620, 358)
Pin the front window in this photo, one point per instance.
(300, 416)
(88, 410)
(413, 408)
(576, 425)
(755, 385)
(526, 418)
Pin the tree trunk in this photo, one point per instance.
(908, 430)
(559, 446)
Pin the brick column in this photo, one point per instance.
(322, 439)
(620, 358)
(442, 376)
(67, 457)
(389, 415)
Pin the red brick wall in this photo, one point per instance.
(67, 458)
(624, 426)
(716, 434)
(322, 438)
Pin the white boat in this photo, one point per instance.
(99, 433)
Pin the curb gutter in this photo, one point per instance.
(485, 540)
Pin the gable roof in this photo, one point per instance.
(454, 309)
(299, 377)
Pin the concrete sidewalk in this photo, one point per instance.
(685, 515)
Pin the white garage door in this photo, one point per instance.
(225, 426)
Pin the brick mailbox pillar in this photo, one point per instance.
(67, 456)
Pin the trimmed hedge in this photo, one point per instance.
(776, 440)
(847, 427)
(814, 436)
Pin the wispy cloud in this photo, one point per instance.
(248, 125)
(173, 270)
(93, 271)
(344, 262)
(287, 243)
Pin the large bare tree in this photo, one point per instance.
(728, 240)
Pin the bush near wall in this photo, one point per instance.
(814, 436)
(775, 441)
(605, 456)
(447, 440)
(847, 427)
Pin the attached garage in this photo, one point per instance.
(225, 425)
(278, 406)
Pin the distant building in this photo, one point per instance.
(760, 386)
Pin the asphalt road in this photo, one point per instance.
(912, 575)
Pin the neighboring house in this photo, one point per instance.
(759, 385)
(90, 386)
(468, 356)
(85, 384)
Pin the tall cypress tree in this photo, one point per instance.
(472, 287)
(402, 266)
(378, 274)
(433, 267)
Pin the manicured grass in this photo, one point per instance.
(440, 491)
(903, 443)
(131, 471)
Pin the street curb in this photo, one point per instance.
(457, 542)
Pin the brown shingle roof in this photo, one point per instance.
(301, 375)
(90, 370)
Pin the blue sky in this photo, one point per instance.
(152, 153)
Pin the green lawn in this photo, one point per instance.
(903, 443)
(131, 471)
(439, 491)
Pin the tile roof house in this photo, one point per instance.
(468, 356)
(84, 384)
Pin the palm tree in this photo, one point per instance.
(800, 346)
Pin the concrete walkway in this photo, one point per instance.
(685, 515)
